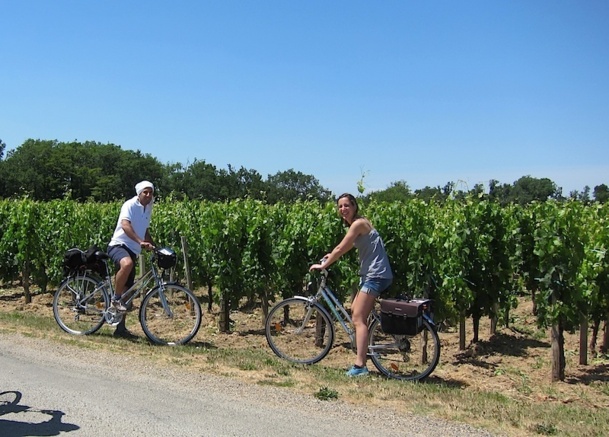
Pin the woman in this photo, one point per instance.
(375, 272)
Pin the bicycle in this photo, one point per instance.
(301, 330)
(170, 314)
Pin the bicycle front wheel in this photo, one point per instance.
(299, 331)
(79, 304)
(170, 315)
(405, 357)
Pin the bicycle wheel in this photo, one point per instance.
(410, 358)
(79, 304)
(171, 315)
(299, 331)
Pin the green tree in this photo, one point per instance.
(583, 196)
(396, 192)
(47, 170)
(2, 177)
(601, 193)
(247, 184)
(290, 186)
(528, 189)
(499, 192)
(31, 170)
(525, 190)
(429, 194)
(198, 181)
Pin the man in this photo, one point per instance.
(130, 237)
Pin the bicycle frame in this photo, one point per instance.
(339, 312)
(335, 305)
(140, 284)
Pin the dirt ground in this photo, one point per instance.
(514, 362)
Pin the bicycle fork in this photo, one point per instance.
(164, 303)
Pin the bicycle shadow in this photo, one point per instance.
(197, 344)
(431, 380)
(27, 423)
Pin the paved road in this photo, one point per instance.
(50, 389)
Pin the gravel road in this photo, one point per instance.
(51, 389)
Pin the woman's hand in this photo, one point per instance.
(321, 264)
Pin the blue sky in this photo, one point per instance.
(424, 92)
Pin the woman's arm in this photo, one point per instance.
(357, 228)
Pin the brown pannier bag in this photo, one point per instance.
(403, 316)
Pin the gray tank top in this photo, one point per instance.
(373, 259)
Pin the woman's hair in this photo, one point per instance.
(353, 202)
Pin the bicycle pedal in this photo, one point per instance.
(113, 317)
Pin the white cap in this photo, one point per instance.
(142, 185)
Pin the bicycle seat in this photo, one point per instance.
(101, 255)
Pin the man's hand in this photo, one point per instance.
(146, 245)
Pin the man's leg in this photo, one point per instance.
(124, 261)
(123, 275)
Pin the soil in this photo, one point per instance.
(515, 361)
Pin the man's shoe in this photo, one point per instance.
(357, 371)
(124, 333)
(118, 306)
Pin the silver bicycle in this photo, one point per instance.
(301, 330)
(170, 314)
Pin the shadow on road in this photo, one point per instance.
(27, 421)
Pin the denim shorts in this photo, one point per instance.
(374, 286)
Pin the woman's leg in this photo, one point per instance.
(360, 310)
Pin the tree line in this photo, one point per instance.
(91, 171)
(46, 170)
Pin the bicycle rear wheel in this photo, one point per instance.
(299, 331)
(405, 357)
(170, 316)
(79, 304)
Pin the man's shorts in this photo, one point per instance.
(116, 254)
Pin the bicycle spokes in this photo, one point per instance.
(408, 357)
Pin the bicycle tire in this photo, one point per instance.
(79, 304)
(172, 324)
(404, 357)
(299, 331)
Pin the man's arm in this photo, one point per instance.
(146, 243)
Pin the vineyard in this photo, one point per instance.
(473, 257)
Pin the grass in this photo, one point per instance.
(326, 394)
(495, 411)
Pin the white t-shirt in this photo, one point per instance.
(139, 216)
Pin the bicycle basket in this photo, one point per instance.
(166, 258)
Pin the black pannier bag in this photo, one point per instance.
(93, 263)
(75, 260)
(403, 316)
